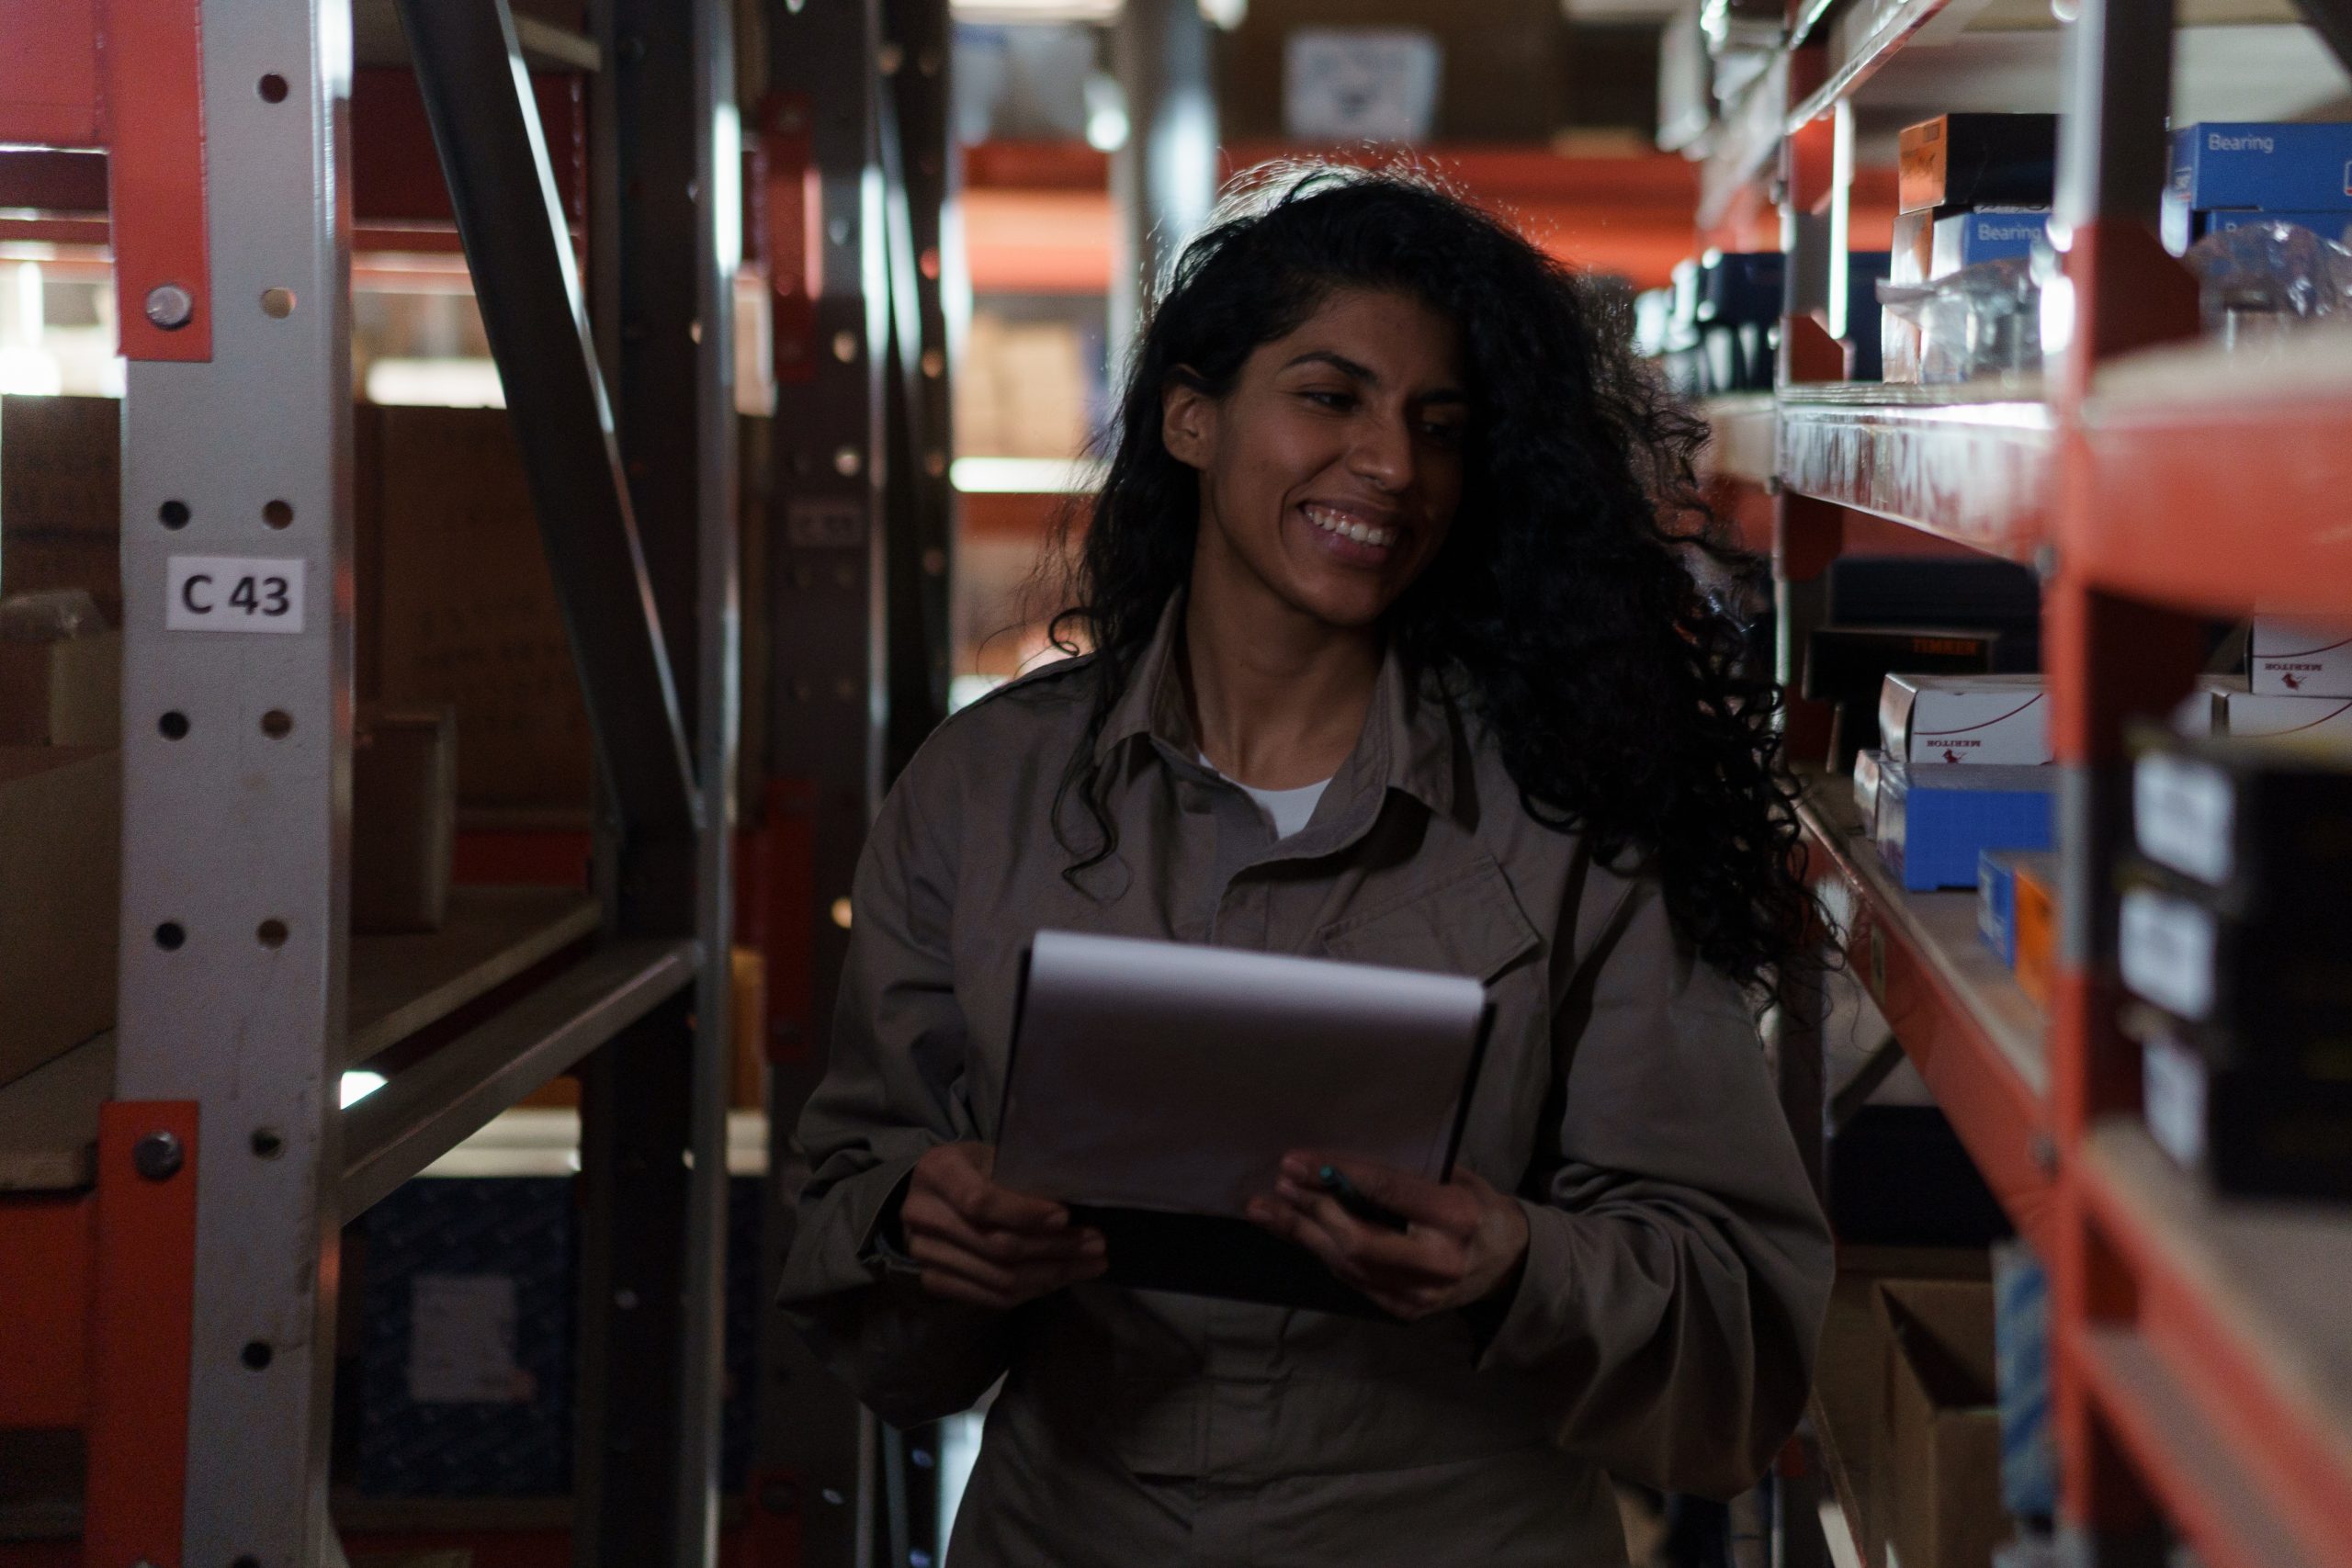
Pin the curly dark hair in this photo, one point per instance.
(1565, 604)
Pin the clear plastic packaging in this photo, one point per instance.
(1980, 321)
(52, 615)
(2259, 283)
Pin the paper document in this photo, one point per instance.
(1168, 1076)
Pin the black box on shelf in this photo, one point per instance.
(1847, 665)
(1961, 161)
(2271, 977)
(1899, 1176)
(2253, 1132)
(2264, 828)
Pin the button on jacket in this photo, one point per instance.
(1664, 1325)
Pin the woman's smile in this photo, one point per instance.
(1353, 535)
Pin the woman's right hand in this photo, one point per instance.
(986, 1244)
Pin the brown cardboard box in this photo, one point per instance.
(61, 497)
(403, 818)
(1938, 1456)
(468, 613)
(61, 859)
(1502, 76)
(64, 692)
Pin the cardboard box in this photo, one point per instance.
(61, 497)
(1935, 822)
(2036, 894)
(1938, 1452)
(61, 866)
(67, 692)
(1930, 244)
(1977, 159)
(1996, 902)
(2311, 721)
(468, 611)
(403, 818)
(2275, 167)
(2296, 658)
(1503, 64)
(1979, 719)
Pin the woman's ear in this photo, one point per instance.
(1187, 419)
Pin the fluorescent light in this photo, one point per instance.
(1025, 476)
(436, 383)
(358, 1086)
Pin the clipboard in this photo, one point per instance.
(1153, 1087)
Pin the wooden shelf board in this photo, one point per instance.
(1979, 1042)
(48, 1119)
(1974, 465)
(401, 984)
(2245, 1305)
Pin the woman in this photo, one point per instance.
(1392, 661)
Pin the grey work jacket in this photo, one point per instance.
(1664, 1325)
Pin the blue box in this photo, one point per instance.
(2326, 225)
(2021, 1381)
(1996, 903)
(2273, 167)
(1989, 234)
(1935, 823)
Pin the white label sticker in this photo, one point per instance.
(461, 1341)
(2185, 812)
(2167, 952)
(233, 593)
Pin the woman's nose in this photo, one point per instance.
(1383, 453)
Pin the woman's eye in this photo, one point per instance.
(1443, 435)
(1330, 399)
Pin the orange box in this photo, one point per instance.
(2037, 924)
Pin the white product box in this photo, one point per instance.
(2322, 720)
(2298, 659)
(2002, 719)
(1867, 765)
(2168, 947)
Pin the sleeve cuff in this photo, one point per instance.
(851, 1247)
(1528, 1326)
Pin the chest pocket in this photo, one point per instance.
(1467, 923)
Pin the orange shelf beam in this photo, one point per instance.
(1943, 1016)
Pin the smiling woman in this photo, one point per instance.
(1396, 656)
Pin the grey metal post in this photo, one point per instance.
(828, 596)
(235, 832)
(1163, 182)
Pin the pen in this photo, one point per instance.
(1335, 1181)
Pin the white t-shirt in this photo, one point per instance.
(1288, 808)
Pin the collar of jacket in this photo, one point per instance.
(1410, 741)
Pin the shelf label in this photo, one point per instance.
(2186, 815)
(233, 593)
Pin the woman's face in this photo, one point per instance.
(1330, 469)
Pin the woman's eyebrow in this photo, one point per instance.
(1339, 362)
(1367, 375)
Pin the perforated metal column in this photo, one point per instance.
(236, 544)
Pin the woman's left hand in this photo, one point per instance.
(1465, 1241)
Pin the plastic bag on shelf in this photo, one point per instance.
(50, 614)
(2260, 282)
(1980, 321)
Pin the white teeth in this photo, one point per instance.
(1361, 533)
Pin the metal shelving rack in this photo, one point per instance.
(176, 1188)
(2202, 1358)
